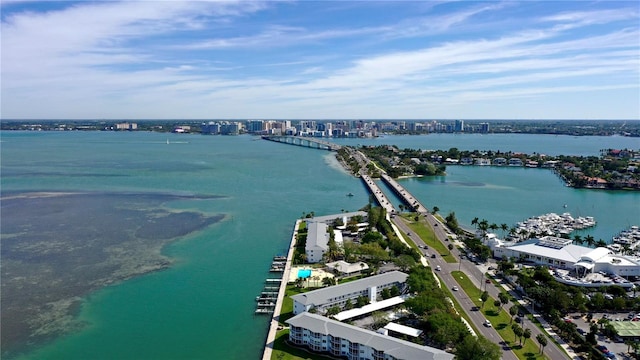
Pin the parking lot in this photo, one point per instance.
(616, 347)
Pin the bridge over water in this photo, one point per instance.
(404, 194)
(303, 141)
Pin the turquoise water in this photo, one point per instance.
(304, 273)
(203, 307)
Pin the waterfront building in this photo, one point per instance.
(459, 126)
(322, 334)
(484, 127)
(317, 241)
(318, 237)
(561, 253)
(127, 126)
(210, 128)
(499, 161)
(255, 126)
(515, 162)
(230, 128)
(338, 295)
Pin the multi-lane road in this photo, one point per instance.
(476, 275)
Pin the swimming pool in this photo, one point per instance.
(304, 273)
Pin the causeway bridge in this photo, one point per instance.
(381, 198)
(405, 195)
(309, 142)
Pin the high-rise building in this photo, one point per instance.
(459, 126)
(255, 126)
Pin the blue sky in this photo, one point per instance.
(320, 60)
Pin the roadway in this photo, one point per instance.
(461, 297)
(477, 276)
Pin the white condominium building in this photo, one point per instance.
(338, 295)
(338, 339)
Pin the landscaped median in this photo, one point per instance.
(427, 235)
(500, 319)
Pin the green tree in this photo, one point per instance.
(504, 298)
(542, 340)
(404, 261)
(436, 209)
(513, 311)
(518, 332)
(484, 297)
(477, 348)
(362, 301)
(526, 334)
(445, 330)
(348, 305)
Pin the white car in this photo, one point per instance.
(455, 288)
(487, 323)
(438, 268)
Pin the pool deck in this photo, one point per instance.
(273, 326)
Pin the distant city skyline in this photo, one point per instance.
(320, 60)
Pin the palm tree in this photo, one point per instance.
(526, 334)
(590, 240)
(542, 340)
(474, 222)
(493, 227)
(517, 331)
(601, 243)
(578, 239)
(436, 209)
(483, 226)
(513, 311)
(504, 227)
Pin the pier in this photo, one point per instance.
(309, 142)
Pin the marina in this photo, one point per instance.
(552, 224)
(266, 301)
(628, 239)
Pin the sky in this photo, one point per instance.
(320, 60)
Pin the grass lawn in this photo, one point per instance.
(500, 319)
(428, 236)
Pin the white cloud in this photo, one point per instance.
(128, 59)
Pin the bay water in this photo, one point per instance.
(203, 306)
